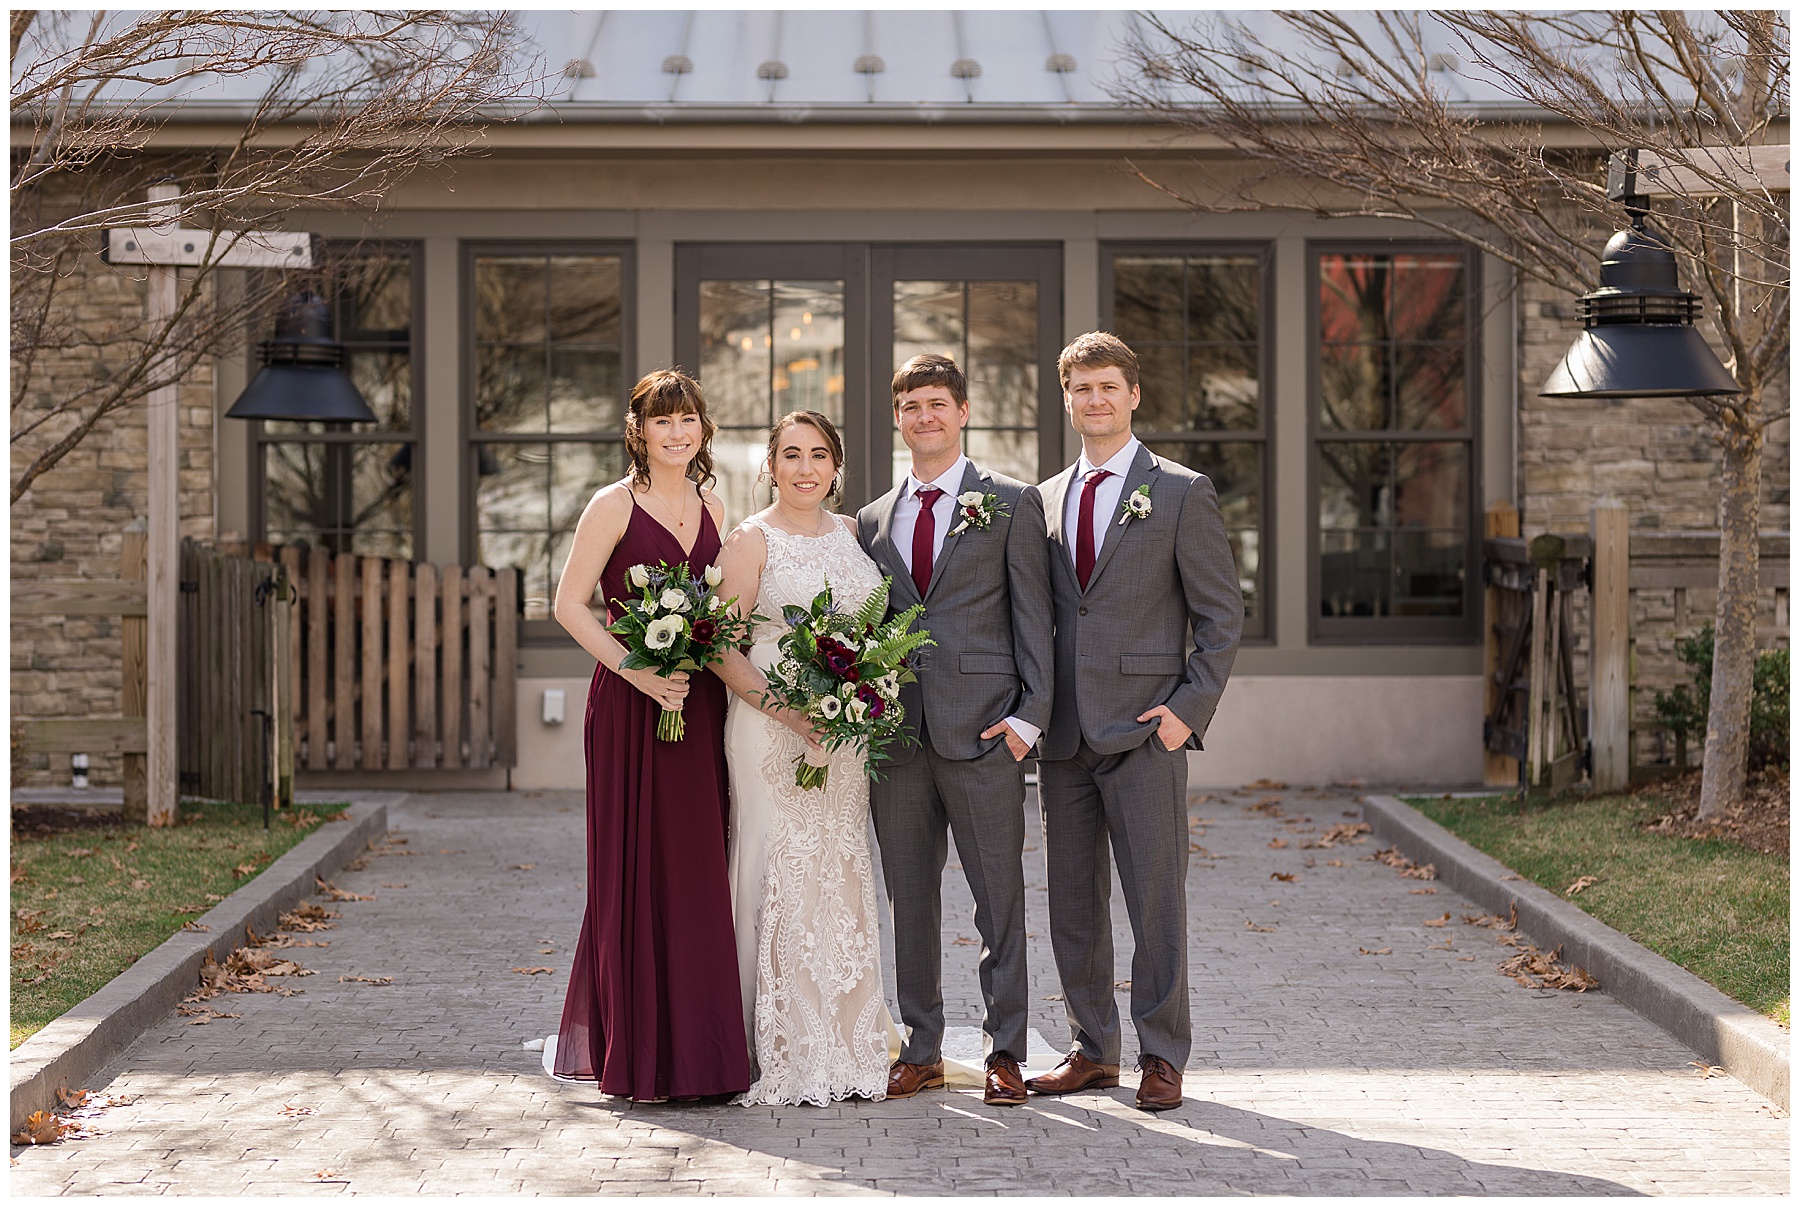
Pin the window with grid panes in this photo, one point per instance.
(548, 399)
(1393, 443)
(349, 487)
(1195, 319)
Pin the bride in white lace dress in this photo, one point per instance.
(802, 881)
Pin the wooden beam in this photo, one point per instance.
(1764, 168)
(78, 597)
(95, 735)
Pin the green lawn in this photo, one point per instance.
(1715, 908)
(88, 903)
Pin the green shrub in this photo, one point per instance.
(1683, 710)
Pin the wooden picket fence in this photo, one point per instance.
(401, 665)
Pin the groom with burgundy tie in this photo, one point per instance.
(1139, 561)
(969, 544)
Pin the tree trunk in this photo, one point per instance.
(1734, 626)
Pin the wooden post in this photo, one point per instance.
(343, 664)
(1534, 707)
(131, 678)
(1498, 770)
(281, 687)
(162, 544)
(425, 643)
(1609, 669)
(370, 688)
(399, 660)
(451, 689)
(481, 730)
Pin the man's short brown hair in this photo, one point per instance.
(1098, 350)
(931, 369)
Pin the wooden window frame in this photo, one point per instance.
(1397, 630)
(1260, 629)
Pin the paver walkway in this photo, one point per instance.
(1316, 1069)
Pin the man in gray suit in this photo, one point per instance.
(1139, 561)
(968, 544)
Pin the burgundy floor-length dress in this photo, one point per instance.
(653, 1009)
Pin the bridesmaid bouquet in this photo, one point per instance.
(844, 670)
(677, 623)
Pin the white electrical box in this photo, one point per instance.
(553, 705)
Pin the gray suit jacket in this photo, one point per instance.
(988, 609)
(1120, 643)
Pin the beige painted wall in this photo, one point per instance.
(1408, 731)
(1382, 730)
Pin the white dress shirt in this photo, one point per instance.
(943, 511)
(1106, 497)
(906, 510)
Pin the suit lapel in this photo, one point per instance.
(1056, 496)
(1143, 469)
(885, 550)
(972, 479)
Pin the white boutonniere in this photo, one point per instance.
(978, 511)
(1136, 505)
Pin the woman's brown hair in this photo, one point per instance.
(667, 392)
(825, 428)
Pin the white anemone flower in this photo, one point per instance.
(968, 498)
(714, 604)
(889, 685)
(675, 600)
(847, 690)
(660, 634)
(640, 576)
(829, 707)
(714, 576)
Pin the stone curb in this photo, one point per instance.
(73, 1048)
(1726, 1033)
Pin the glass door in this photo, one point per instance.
(772, 328)
(998, 312)
(765, 329)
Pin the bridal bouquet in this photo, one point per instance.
(844, 671)
(677, 623)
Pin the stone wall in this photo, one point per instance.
(68, 525)
(1656, 455)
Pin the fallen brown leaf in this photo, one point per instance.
(393, 886)
(1422, 892)
(1276, 844)
(1379, 951)
(958, 941)
(449, 851)
(1547, 967)
(520, 867)
(1443, 921)
(1116, 984)
(1707, 1070)
(78, 852)
(1266, 785)
(1267, 930)
(1343, 834)
(1334, 863)
(375, 980)
(192, 925)
(1510, 922)
(28, 920)
(41, 1127)
(533, 971)
(332, 892)
(1585, 882)
(243, 869)
(1406, 867)
(1053, 997)
(309, 917)
(295, 1112)
(1284, 876)
(70, 1099)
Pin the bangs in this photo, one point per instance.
(673, 398)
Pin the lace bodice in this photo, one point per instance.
(797, 568)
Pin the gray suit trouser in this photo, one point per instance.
(982, 802)
(1139, 800)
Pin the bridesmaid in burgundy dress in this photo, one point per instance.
(653, 1011)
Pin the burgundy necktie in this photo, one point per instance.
(924, 537)
(1084, 531)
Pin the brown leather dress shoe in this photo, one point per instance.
(1005, 1087)
(1076, 1072)
(1160, 1090)
(905, 1080)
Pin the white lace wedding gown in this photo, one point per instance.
(802, 881)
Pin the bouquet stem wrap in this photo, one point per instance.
(812, 768)
(671, 725)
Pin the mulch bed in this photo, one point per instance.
(1759, 820)
(40, 821)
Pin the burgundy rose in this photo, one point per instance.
(705, 630)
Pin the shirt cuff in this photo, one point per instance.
(1028, 733)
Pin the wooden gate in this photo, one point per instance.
(1534, 715)
(401, 665)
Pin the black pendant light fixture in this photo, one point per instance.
(303, 376)
(1638, 338)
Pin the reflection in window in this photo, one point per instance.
(348, 487)
(1195, 322)
(767, 347)
(1394, 453)
(549, 406)
(990, 329)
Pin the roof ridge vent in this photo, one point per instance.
(869, 64)
(578, 69)
(1060, 63)
(772, 69)
(677, 64)
(965, 69)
